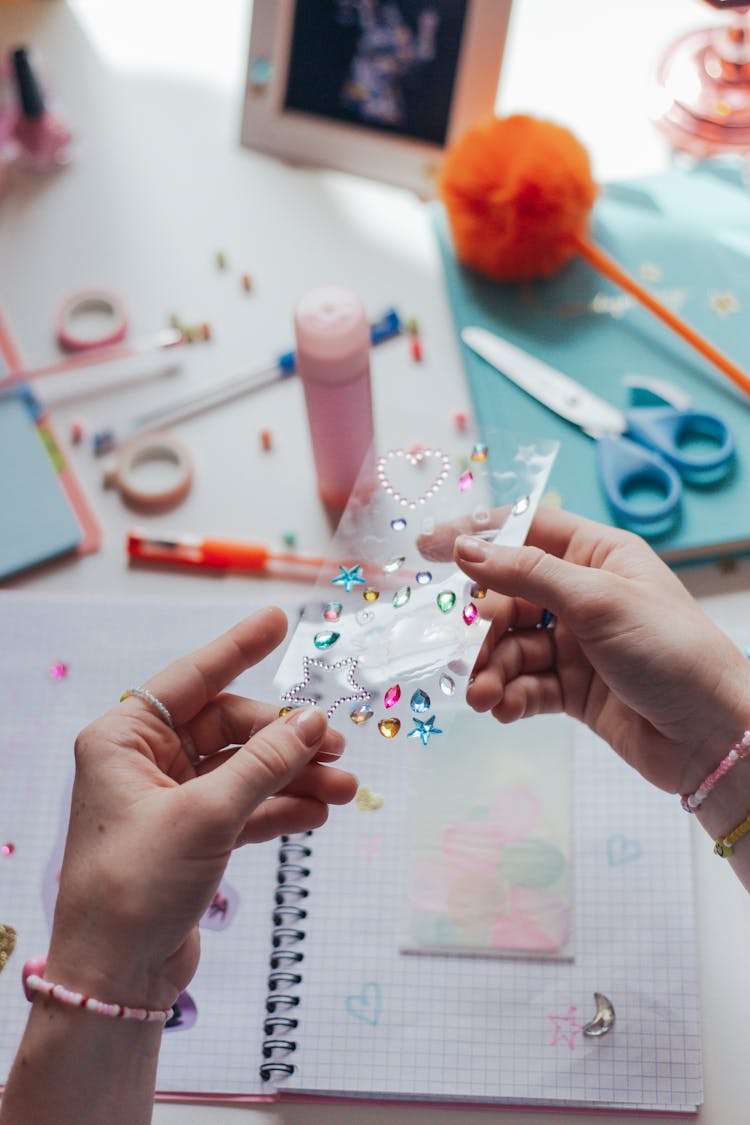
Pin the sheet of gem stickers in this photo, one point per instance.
(390, 637)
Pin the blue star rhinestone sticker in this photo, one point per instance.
(350, 576)
(424, 729)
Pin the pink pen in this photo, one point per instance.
(333, 361)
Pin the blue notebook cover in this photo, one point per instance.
(686, 236)
(36, 519)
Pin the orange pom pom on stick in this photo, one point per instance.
(518, 192)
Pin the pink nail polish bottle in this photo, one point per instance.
(42, 139)
(333, 361)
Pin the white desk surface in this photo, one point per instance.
(159, 184)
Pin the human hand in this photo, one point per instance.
(631, 654)
(151, 833)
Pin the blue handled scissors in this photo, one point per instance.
(654, 455)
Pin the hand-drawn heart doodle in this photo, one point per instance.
(394, 457)
(365, 1005)
(621, 850)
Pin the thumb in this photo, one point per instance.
(529, 573)
(266, 763)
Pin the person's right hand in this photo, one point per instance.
(631, 654)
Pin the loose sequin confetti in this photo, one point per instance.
(465, 481)
(363, 616)
(58, 670)
(266, 440)
(470, 613)
(392, 696)
(389, 728)
(424, 730)
(447, 684)
(361, 714)
(521, 505)
(325, 639)
(420, 701)
(479, 452)
(446, 600)
(332, 611)
(7, 944)
(478, 591)
(8, 849)
(424, 577)
(460, 421)
(289, 539)
(398, 525)
(401, 597)
(393, 564)
(371, 594)
(349, 577)
(367, 801)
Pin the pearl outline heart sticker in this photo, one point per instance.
(414, 460)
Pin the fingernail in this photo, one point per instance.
(309, 723)
(470, 548)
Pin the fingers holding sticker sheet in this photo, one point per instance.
(391, 636)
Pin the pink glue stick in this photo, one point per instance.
(333, 361)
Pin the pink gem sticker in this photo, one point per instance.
(8, 849)
(465, 481)
(58, 670)
(470, 613)
(392, 696)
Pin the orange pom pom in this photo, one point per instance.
(518, 192)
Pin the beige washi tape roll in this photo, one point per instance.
(144, 450)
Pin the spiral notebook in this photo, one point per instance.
(302, 990)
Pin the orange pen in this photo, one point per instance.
(220, 554)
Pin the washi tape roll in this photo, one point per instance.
(146, 449)
(107, 308)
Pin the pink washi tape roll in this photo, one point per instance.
(80, 309)
(146, 449)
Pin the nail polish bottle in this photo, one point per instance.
(42, 140)
(333, 361)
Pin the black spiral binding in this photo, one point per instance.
(285, 959)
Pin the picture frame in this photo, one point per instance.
(377, 88)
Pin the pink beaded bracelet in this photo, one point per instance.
(740, 749)
(33, 981)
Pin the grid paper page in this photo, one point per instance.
(108, 646)
(374, 1022)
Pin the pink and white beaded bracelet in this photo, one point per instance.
(740, 749)
(33, 981)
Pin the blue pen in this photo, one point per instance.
(179, 410)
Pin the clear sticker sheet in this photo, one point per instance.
(389, 638)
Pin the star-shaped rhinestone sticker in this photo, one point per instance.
(350, 576)
(309, 665)
(424, 729)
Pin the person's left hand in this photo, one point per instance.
(150, 832)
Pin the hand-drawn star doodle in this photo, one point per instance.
(567, 1028)
(309, 663)
(424, 729)
(350, 576)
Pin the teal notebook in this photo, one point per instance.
(686, 236)
(36, 519)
